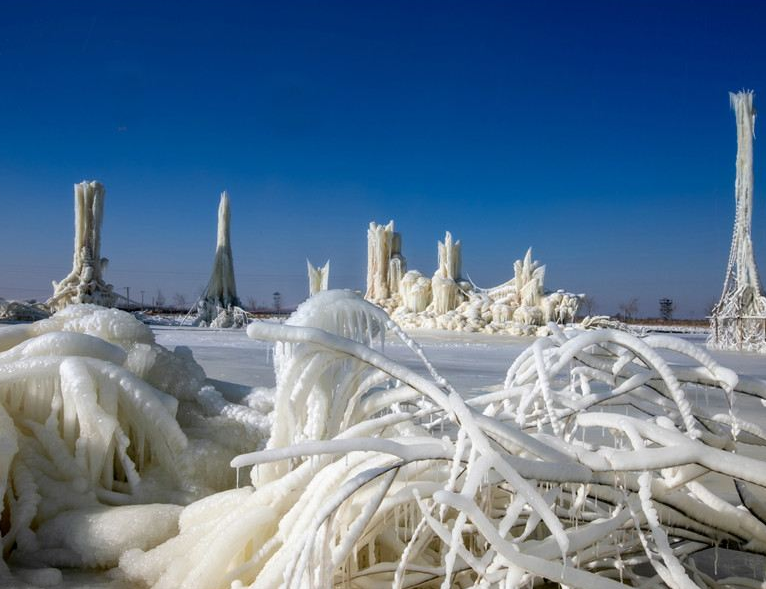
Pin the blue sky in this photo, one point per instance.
(599, 133)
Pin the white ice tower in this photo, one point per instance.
(738, 321)
(385, 264)
(319, 278)
(85, 283)
(444, 284)
(220, 306)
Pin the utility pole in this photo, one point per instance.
(127, 288)
(142, 300)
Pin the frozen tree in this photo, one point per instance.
(318, 277)
(590, 465)
(444, 284)
(739, 319)
(219, 305)
(628, 309)
(179, 301)
(588, 304)
(159, 300)
(85, 284)
(379, 243)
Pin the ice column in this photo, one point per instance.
(318, 277)
(446, 292)
(397, 265)
(85, 284)
(221, 291)
(739, 319)
(379, 244)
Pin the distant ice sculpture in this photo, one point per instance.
(219, 306)
(318, 277)
(738, 321)
(22, 311)
(85, 283)
(519, 306)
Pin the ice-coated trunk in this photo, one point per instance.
(379, 242)
(450, 260)
(397, 265)
(222, 288)
(742, 294)
(85, 284)
(446, 292)
(318, 277)
(739, 319)
(746, 270)
(220, 306)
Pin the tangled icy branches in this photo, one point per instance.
(596, 462)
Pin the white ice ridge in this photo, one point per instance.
(85, 283)
(219, 306)
(591, 464)
(447, 300)
(103, 434)
(738, 321)
(319, 278)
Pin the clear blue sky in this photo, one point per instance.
(597, 132)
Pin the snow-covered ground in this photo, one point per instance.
(468, 360)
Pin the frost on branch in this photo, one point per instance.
(596, 462)
(219, 306)
(85, 283)
(519, 306)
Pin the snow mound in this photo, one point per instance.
(97, 423)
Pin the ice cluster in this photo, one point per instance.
(103, 436)
(519, 306)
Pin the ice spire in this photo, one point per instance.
(738, 318)
(84, 284)
(220, 306)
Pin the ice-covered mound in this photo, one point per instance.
(519, 306)
(593, 463)
(97, 422)
(22, 311)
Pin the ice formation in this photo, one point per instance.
(22, 311)
(103, 435)
(738, 321)
(592, 464)
(85, 283)
(519, 306)
(219, 306)
(319, 278)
